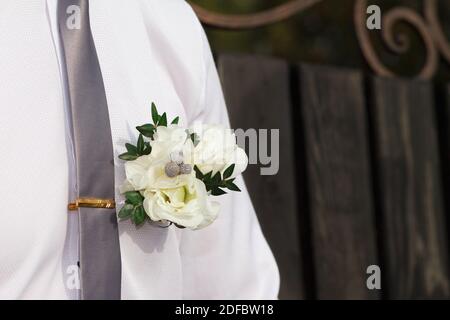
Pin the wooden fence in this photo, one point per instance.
(363, 179)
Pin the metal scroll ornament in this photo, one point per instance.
(427, 25)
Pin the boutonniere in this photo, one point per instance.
(173, 173)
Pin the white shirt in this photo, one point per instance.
(149, 50)
(71, 251)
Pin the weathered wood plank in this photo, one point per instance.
(445, 157)
(340, 192)
(257, 95)
(414, 240)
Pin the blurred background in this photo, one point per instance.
(360, 207)
(323, 34)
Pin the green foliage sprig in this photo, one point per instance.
(133, 208)
(142, 147)
(217, 183)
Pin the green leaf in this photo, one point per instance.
(128, 157)
(140, 144)
(155, 116)
(217, 192)
(195, 139)
(230, 185)
(207, 176)
(139, 215)
(131, 149)
(148, 130)
(217, 178)
(198, 173)
(228, 171)
(163, 120)
(126, 211)
(134, 197)
(175, 121)
(215, 184)
(147, 148)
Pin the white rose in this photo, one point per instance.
(168, 140)
(144, 172)
(217, 150)
(183, 201)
